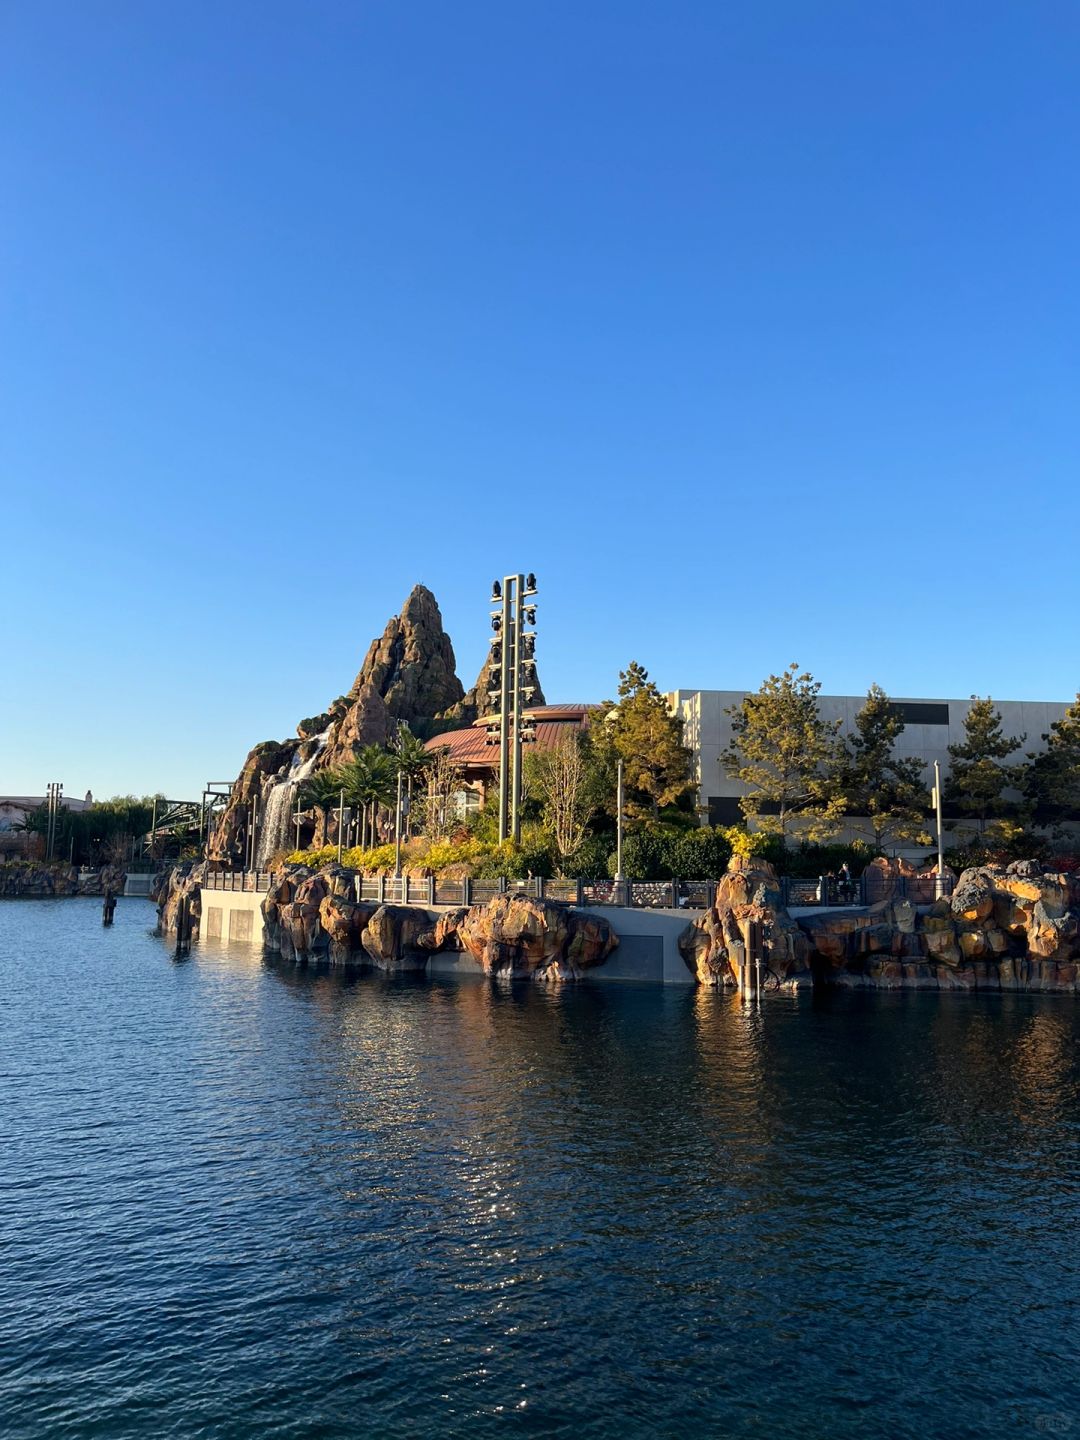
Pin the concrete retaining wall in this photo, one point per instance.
(648, 939)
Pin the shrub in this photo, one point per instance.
(590, 860)
(701, 854)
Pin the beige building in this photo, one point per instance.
(931, 726)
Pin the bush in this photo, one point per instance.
(590, 860)
(808, 861)
(701, 854)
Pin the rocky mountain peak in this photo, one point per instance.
(412, 667)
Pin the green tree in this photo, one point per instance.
(370, 781)
(978, 776)
(1052, 779)
(322, 792)
(562, 783)
(642, 732)
(884, 793)
(411, 760)
(788, 758)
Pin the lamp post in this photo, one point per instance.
(55, 791)
(511, 664)
(397, 831)
(340, 823)
(939, 878)
(619, 881)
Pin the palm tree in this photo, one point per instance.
(369, 782)
(411, 759)
(322, 791)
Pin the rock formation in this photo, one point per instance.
(34, 879)
(1011, 927)
(393, 937)
(478, 702)
(412, 665)
(408, 674)
(511, 936)
(517, 936)
(182, 881)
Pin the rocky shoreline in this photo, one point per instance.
(34, 880)
(1004, 928)
(1014, 927)
(315, 916)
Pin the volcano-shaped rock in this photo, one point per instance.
(408, 675)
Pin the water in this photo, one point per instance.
(277, 800)
(242, 1200)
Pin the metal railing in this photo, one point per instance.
(824, 890)
(255, 882)
(870, 889)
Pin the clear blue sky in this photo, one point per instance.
(751, 328)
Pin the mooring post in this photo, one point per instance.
(182, 926)
(108, 907)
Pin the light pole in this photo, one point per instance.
(512, 666)
(618, 831)
(939, 878)
(55, 791)
(397, 831)
(340, 823)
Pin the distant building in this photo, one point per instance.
(930, 727)
(14, 809)
(478, 761)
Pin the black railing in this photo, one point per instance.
(255, 882)
(798, 892)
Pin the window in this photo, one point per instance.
(921, 712)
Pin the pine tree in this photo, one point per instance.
(788, 758)
(1052, 779)
(978, 777)
(883, 792)
(642, 732)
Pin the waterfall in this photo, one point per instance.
(278, 801)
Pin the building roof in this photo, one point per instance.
(34, 802)
(470, 748)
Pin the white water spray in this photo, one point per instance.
(277, 803)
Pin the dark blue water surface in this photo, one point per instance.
(243, 1200)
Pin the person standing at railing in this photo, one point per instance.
(845, 884)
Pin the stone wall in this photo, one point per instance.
(1014, 927)
(32, 879)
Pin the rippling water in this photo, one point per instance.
(243, 1200)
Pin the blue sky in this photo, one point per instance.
(752, 329)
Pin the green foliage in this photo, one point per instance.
(1052, 779)
(978, 775)
(808, 860)
(316, 859)
(700, 854)
(590, 860)
(883, 792)
(788, 757)
(370, 777)
(408, 753)
(483, 825)
(642, 732)
(563, 782)
(748, 843)
(999, 844)
(102, 833)
(663, 852)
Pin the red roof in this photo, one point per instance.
(470, 747)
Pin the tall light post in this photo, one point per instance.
(511, 670)
(55, 792)
(619, 798)
(939, 878)
(397, 830)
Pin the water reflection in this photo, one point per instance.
(244, 1198)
